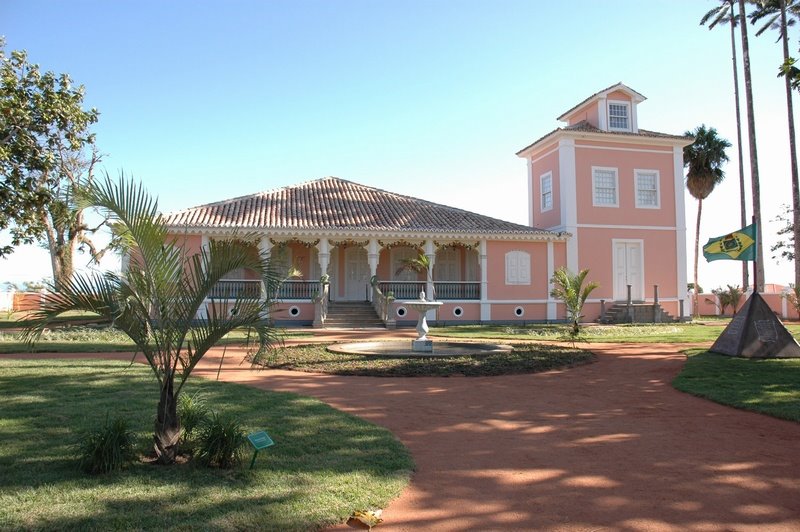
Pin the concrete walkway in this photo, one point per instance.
(607, 446)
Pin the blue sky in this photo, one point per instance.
(204, 101)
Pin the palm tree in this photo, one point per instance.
(159, 300)
(751, 135)
(725, 14)
(569, 288)
(704, 158)
(774, 15)
(420, 263)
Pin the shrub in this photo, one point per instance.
(221, 442)
(193, 412)
(106, 449)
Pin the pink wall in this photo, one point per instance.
(618, 95)
(625, 162)
(548, 163)
(587, 112)
(531, 312)
(595, 251)
(496, 270)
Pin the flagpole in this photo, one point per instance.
(755, 262)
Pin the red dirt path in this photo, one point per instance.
(607, 446)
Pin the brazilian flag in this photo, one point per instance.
(739, 245)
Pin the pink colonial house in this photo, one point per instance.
(603, 194)
(618, 191)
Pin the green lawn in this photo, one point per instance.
(80, 339)
(634, 333)
(770, 386)
(15, 320)
(528, 358)
(324, 464)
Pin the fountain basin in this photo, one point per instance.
(401, 349)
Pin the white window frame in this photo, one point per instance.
(518, 268)
(615, 171)
(548, 177)
(636, 174)
(627, 106)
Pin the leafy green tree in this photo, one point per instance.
(775, 14)
(159, 300)
(47, 152)
(704, 158)
(725, 13)
(569, 288)
(793, 297)
(785, 247)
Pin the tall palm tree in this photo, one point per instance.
(725, 14)
(158, 301)
(751, 135)
(775, 14)
(704, 158)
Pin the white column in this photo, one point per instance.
(568, 198)
(323, 255)
(680, 221)
(486, 308)
(602, 114)
(265, 248)
(373, 254)
(430, 254)
(551, 303)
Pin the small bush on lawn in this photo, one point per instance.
(108, 448)
(221, 442)
(193, 412)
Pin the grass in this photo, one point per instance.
(769, 386)
(529, 358)
(626, 333)
(87, 339)
(324, 464)
(9, 320)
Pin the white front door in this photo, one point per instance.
(628, 270)
(356, 274)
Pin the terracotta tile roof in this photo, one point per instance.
(611, 88)
(585, 127)
(334, 204)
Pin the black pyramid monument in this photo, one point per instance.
(756, 332)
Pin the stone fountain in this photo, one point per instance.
(422, 306)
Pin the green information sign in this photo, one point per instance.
(259, 440)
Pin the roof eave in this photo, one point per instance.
(533, 234)
(604, 136)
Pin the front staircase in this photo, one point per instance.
(352, 315)
(641, 313)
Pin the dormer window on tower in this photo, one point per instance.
(619, 116)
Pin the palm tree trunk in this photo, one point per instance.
(742, 201)
(751, 130)
(792, 146)
(167, 426)
(695, 304)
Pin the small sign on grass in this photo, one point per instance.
(259, 440)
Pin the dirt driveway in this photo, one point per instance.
(607, 446)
